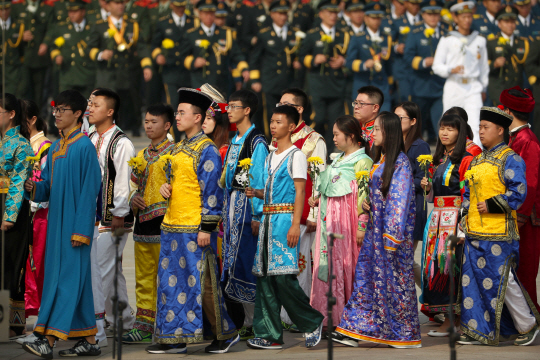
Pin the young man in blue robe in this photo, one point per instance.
(242, 216)
(276, 258)
(70, 183)
(494, 305)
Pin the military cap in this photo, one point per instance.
(354, 5)
(461, 6)
(280, 6)
(431, 6)
(75, 4)
(507, 12)
(375, 9)
(207, 5)
(330, 5)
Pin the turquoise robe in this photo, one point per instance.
(70, 183)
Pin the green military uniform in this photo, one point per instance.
(14, 51)
(94, 15)
(121, 73)
(271, 63)
(532, 69)
(511, 73)
(301, 15)
(327, 86)
(36, 18)
(222, 53)
(78, 71)
(243, 20)
(137, 11)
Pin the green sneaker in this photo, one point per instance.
(528, 338)
(294, 329)
(285, 326)
(467, 340)
(246, 333)
(136, 336)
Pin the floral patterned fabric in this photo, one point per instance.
(383, 307)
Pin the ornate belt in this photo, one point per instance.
(278, 209)
(447, 201)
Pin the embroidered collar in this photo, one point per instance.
(71, 134)
(496, 147)
(300, 126)
(34, 138)
(518, 129)
(194, 138)
(160, 145)
(12, 132)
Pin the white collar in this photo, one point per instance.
(519, 128)
(524, 20)
(356, 30)
(509, 38)
(328, 30)
(411, 18)
(347, 19)
(393, 12)
(38, 135)
(81, 24)
(104, 13)
(490, 17)
(179, 20)
(207, 29)
(373, 34)
(7, 23)
(278, 29)
(115, 21)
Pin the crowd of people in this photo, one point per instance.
(438, 53)
(231, 234)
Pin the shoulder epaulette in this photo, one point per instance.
(262, 31)
(192, 30)
(314, 30)
(165, 17)
(477, 16)
(100, 21)
(417, 30)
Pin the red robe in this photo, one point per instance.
(526, 145)
(305, 138)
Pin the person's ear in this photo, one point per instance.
(168, 125)
(32, 121)
(413, 122)
(247, 111)
(110, 112)
(300, 109)
(78, 114)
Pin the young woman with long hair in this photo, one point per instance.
(14, 170)
(340, 211)
(35, 264)
(451, 161)
(216, 126)
(383, 306)
(411, 125)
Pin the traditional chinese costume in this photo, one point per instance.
(383, 308)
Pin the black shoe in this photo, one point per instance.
(82, 348)
(222, 346)
(167, 349)
(40, 347)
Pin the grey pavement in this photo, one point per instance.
(294, 348)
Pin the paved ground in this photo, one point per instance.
(432, 348)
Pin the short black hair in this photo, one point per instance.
(110, 95)
(290, 112)
(522, 116)
(75, 100)
(373, 93)
(299, 96)
(248, 99)
(162, 110)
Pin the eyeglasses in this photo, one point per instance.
(403, 117)
(288, 104)
(182, 114)
(236, 107)
(56, 110)
(360, 104)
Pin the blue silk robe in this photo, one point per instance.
(70, 183)
(383, 308)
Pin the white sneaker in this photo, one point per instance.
(28, 338)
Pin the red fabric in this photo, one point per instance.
(526, 145)
(529, 258)
(223, 152)
(473, 150)
(34, 278)
(525, 105)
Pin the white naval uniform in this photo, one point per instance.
(463, 90)
(105, 240)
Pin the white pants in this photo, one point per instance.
(106, 253)
(97, 290)
(469, 97)
(304, 278)
(249, 312)
(524, 321)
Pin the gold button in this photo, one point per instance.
(178, 63)
(33, 21)
(207, 72)
(72, 55)
(116, 56)
(506, 78)
(279, 63)
(219, 72)
(177, 53)
(279, 71)
(73, 63)
(115, 65)
(207, 63)
(32, 28)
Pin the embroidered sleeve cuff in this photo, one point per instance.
(80, 238)
(209, 223)
(307, 61)
(522, 218)
(416, 62)
(93, 54)
(390, 242)
(188, 61)
(156, 52)
(497, 205)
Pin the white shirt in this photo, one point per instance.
(525, 20)
(280, 31)
(329, 31)
(299, 166)
(393, 12)
(491, 18)
(5, 25)
(104, 13)
(347, 19)
(80, 26)
(509, 38)
(356, 30)
(413, 19)
(179, 20)
(451, 52)
(124, 152)
(116, 22)
(208, 30)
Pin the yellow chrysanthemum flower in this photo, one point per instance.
(315, 160)
(166, 157)
(502, 41)
(167, 44)
(491, 36)
(471, 174)
(425, 159)
(59, 41)
(204, 44)
(361, 174)
(429, 32)
(404, 30)
(326, 39)
(111, 32)
(245, 163)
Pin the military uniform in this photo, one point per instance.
(327, 86)
(174, 73)
(301, 15)
(531, 29)
(13, 45)
(78, 71)
(222, 54)
(428, 87)
(532, 69)
(244, 20)
(271, 64)
(121, 72)
(36, 20)
(483, 25)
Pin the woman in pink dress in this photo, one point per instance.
(340, 212)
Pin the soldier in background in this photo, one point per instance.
(485, 21)
(532, 70)
(116, 48)
(273, 62)
(70, 52)
(528, 22)
(324, 62)
(12, 44)
(507, 54)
